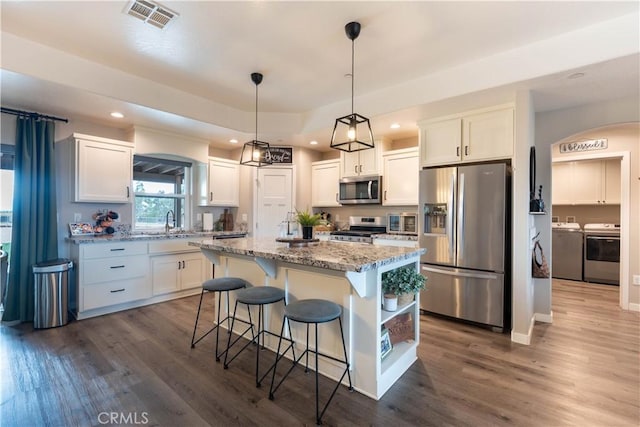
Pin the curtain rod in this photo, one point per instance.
(31, 114)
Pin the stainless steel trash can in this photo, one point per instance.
(51, 280)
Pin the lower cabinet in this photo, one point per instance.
(117, 276)
(171, 273)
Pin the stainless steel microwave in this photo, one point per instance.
(402, 223)
(360, 190)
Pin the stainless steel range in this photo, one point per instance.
(361, 229)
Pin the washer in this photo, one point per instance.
(567, 254)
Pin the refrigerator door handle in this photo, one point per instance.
(488, 276)
(460, 225)
(450, 210)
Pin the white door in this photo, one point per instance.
(274, 199)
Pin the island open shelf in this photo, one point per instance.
(346, 273)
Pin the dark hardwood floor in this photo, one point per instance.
(583, 370)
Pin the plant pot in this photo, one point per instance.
(307, 232)
(404, 299)
(390, 302)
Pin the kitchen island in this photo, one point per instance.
(348, 274)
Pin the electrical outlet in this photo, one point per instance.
(244, 217)
(199, 217)
(77, 217)
(636, 279)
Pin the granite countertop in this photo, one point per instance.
(137, 237)
(340, 256)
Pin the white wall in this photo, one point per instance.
(618, 121)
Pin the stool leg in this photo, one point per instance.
(346, 358)
(260, 326)
(219, 295)
(275, 365)
(306, 363)
(317, 391)
(226, 355)
(197, 317)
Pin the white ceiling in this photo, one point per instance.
(89, 58)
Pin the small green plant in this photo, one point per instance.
(306, 219)
(403, 280)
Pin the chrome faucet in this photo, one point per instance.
(167, 227)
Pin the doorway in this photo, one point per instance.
(623, 159)
(274, 199)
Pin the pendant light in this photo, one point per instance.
(353, 130)
(256, 153)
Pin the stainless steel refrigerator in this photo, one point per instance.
(465, 228)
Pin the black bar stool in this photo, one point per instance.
(311, 311)
(219, 285)
(260, 296)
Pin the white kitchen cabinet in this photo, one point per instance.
(469, 137)
(223, 183)
(99, 170)
(400, 177)
(586, 182)
(120, 275)
(561, 183)
(171, 273)
(324, 183)
(612, 184)
(108, 274)
(363, 162)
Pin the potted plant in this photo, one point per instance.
(404, 282)
(307, 221)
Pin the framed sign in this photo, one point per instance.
(586, 145)
(281, 155)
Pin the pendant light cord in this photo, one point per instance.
(256, 113)
(352, 73)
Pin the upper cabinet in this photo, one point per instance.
(324, 183)
(401, 176)
(102, 168)
(586, 182)
(470, 137)
(364, 162)
(223, 183)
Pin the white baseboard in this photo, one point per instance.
(545, 318)
(524, 338)
(634, 307)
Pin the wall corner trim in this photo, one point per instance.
(634, 307)
(524, 338)
(545, 318)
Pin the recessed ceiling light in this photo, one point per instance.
(395, 126)
(313, 142)
(233, 141)
(117, 115)
(575, 76)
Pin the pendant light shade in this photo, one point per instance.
(256, 153)
(353, 131)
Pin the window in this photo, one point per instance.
(160, 187)
(7, 155)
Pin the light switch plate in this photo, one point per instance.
(636, 279)
(77, 217)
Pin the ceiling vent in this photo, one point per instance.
(151, 13)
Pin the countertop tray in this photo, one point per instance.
(297, 241)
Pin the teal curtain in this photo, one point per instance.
(34, 236)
